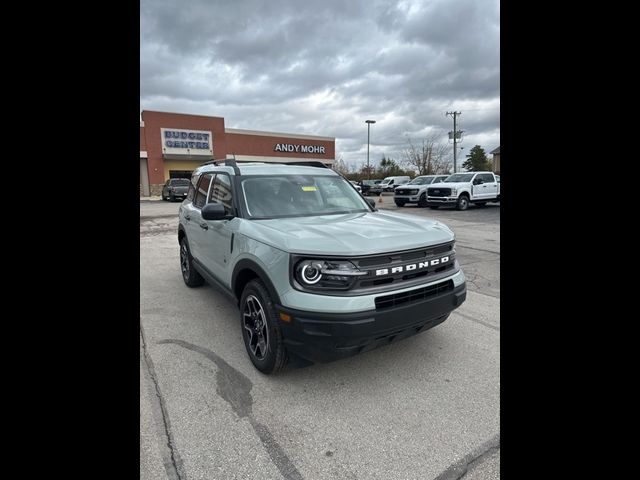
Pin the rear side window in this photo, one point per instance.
(191, 193)
(487, 178)
(179, 182)
(203, 188)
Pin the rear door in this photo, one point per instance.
(195, 225)
(490, 186)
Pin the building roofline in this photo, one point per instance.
(278, 134)
(180, 113)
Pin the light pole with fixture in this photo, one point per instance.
(368, 122)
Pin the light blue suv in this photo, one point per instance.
(316, 270)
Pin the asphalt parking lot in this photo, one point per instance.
(427, 407)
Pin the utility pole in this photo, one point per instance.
(368, 122)
(454, 114)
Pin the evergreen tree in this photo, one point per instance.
(476, 160)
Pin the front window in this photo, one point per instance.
(460, 177)
(221, 192)
(300, 195)
(421, 181)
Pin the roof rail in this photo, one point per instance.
(316, 163)
(227, 162)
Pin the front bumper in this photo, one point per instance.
(407, 198)
(441, 201)
(323, 337)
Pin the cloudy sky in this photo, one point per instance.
(323, 67)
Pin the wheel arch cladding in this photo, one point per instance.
(245, 271)
(181, 233)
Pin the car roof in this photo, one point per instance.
(266, 169)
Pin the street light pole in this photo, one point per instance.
(368, 122)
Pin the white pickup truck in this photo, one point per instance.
(461, 189)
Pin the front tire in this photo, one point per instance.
(400, 203)
(189, 274)
(260, 329)
(422, 201)
(434, 207)
(463, 202)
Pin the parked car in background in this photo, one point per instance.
(355, 184)
(389, 183)
(416, 190)
(497, 178)
(461, 189)
(175, 188)
(371, 187)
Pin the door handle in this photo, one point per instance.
(204, 226)
(484, 186)
(187, 217)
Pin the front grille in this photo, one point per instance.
(391, 259)
(412, 296)
(405, 192)
(438, 192)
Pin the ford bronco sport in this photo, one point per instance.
(316, 270)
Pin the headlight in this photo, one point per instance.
(454, 191)
(413, 192)
(326, 274)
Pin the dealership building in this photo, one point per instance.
(172, 145)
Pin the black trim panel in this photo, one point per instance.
(257, 269)
(213, 281)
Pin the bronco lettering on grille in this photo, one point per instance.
(412, 266)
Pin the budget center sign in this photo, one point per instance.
(178, 141)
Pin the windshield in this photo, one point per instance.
(183, 182)
(421, 181)
(300, 195)
(460, 177)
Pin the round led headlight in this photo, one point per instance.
(311, 272)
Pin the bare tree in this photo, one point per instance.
(341, 166)
(429, 157)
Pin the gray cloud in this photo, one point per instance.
(324, 67)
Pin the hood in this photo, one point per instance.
(349, 234)
(450, 184)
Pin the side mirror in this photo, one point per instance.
(478, 181)
(213, 211)
(371, 202)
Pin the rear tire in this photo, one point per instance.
(189, 274)
(422, 201)
(400, 203)
(261, 330)
(463, 202)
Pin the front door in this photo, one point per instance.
(217, 238)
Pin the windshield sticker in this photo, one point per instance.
(310, 188)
